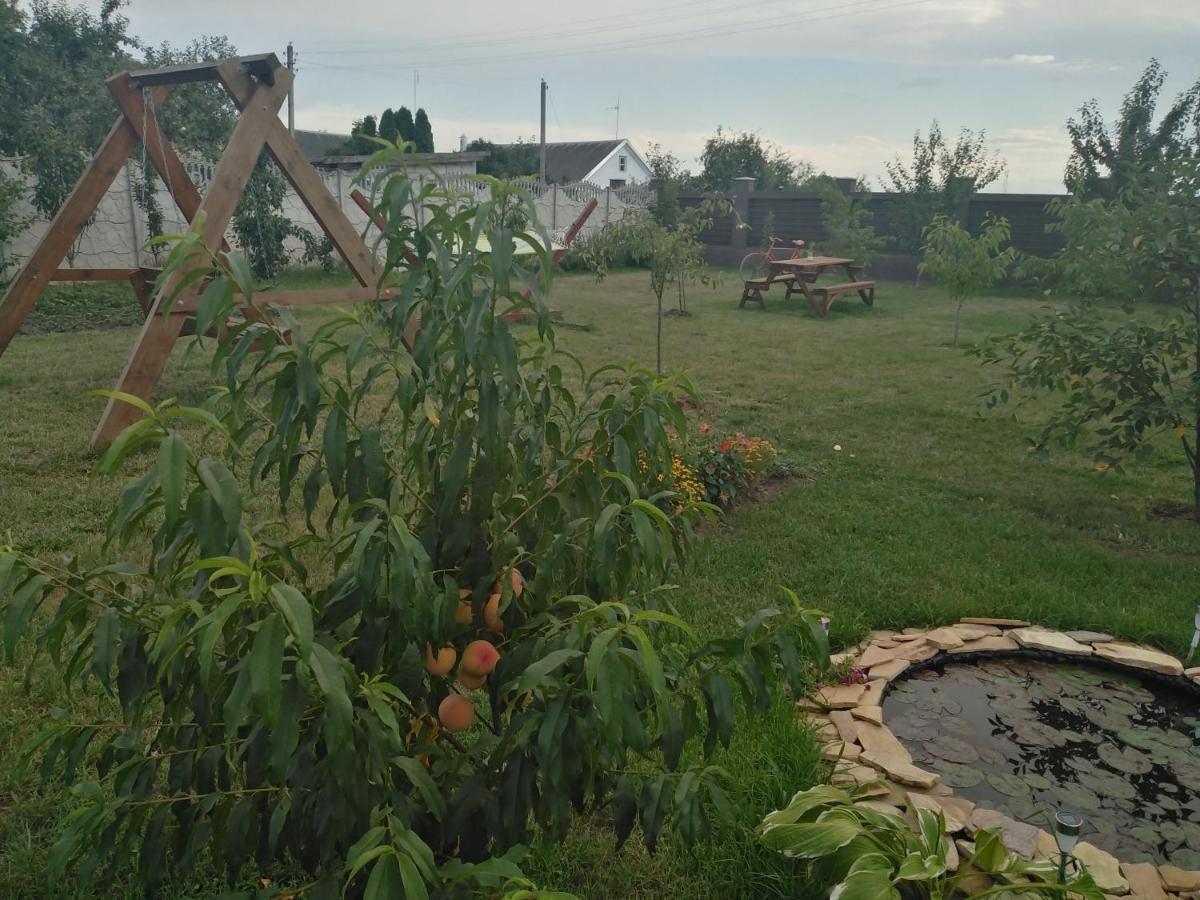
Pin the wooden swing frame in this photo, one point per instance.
(258, 85)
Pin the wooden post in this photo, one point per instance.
(159, 332)
(742, 189)
(70, 220)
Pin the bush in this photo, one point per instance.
(457, 626)
(729, 466)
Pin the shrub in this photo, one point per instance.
(276, 680)
(730, 465)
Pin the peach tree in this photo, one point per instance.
(396, 595)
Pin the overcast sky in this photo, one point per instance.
(841, 83)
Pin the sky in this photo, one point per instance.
(842, 84)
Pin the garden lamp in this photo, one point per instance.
(825, 620)
(1195, 636)
(1067, 826)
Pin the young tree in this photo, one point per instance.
(848, 220)
(670, 177)
(1124, 385)
(405, 124)
(457, 629)
(963, 265)
(730, 155)
(1105, 159)
(423, 133)
(939, 180)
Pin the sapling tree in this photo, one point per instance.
(964, 265)
(1124, 384)
(457, 627)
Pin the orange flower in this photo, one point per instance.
(725, 445)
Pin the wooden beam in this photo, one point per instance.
(70, 220)
(159, 333)
(145, 122)
(262, 66)
(92, 274)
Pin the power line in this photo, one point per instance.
(837, 11)
(557, 121)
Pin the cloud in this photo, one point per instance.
(921, 83)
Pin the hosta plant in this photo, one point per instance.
(870, 854)
(384, 604)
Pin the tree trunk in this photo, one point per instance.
(957, 314)
(658, 338)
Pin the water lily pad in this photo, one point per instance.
(1076, 796)
(1108, 719)
(956, 775)
(953, 749)
(1130, 761)
(992, 757)
(1008, 784)
(1149, 739)
(1035, 733)
(957, 725)
(1144, 834)
(1106, 784)
(1038, 782)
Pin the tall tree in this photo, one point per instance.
(389, 130)
(728, 155)
(423, 133)
(359, 143)
(404, 122)
(939, 180)
(1104, 160)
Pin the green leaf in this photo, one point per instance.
(385, 883)
(624, 809)
(266, 666)
(865, 885)
(223, 487)
(536, 672)
(424, 783)
(414, 884)
(20, 609)
(297, 614)
(339, 711)
(172, 468)
(105, 643)
(810, 840)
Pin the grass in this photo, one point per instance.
(930, 511)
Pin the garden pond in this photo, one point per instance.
(1027, 736)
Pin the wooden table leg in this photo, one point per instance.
(854, 272)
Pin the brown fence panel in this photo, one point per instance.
(792, 216)
(720, 232)
(1027, 216)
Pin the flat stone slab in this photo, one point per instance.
(1140, 657)
(999, 623)
(872, 714)
(1179, 880)
(873, 695)
(944, 638)
(876, 655)
(1019, 837)
(890, 670)
(974, 632)
(900, 771)
(1054, 641)
(985, 644)
(1090, 637)
(856, 773)
(879, 740)
(841, 696)
(917, 651)
(1193, 672)
(841, 750)
(844, 723)
(1103, 867)
(1144, 880)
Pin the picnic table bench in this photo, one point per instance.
(800, 273)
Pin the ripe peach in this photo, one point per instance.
(442, 663)
(456, 712)
(491, 613)
(464, 614)
(516, 579)
(480, 658)
(469, 681)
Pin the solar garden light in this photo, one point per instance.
(1195, 636)
(1066, 834)
(825, 620)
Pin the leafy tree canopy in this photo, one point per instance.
(517, 160)
(939, 179)
(1104, 159)
(728, 155)
(422, 133)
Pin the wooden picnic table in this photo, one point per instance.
(806, 271)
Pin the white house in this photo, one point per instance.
(603, 163)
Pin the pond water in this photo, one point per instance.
(1026, 736)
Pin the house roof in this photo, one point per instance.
(316, 145)
(568, 161)
(355, 162)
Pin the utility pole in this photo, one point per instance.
(542, 165)
(291, 64)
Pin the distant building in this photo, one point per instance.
(318, 148)
(317, 145)
(603, 163)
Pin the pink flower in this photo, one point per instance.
(704, 429)
(725, 446)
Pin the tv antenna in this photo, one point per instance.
(617, 130)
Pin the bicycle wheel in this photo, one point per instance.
(754, 265)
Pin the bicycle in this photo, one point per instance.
(756, 265)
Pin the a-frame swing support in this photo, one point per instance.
(258, 86)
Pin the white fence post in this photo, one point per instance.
(607, 199)
(553, 208)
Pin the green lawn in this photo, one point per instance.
(930, 511)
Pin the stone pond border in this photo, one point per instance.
(849, 720)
